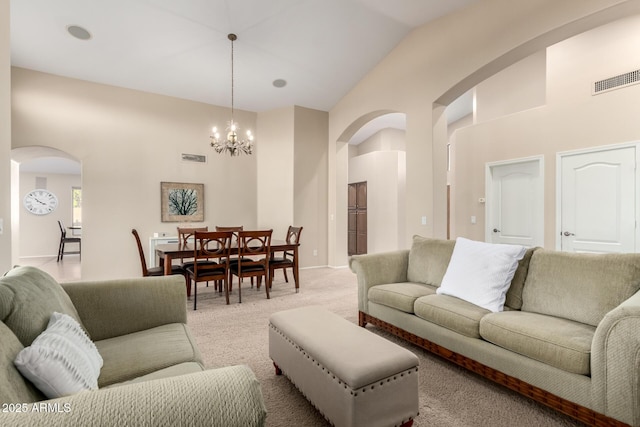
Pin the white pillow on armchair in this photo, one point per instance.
(481, 273)
(62, 360)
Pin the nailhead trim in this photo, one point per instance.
(333, 376)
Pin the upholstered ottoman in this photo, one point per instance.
(352, 376)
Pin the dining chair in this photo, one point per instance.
(234, 243)
(211, 256)
(254, 249)
(288, 258)
(186, 234)
(158, 271)
(64, 240)
(233, 229)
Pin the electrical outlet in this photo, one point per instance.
(1, 225)
(315, 252)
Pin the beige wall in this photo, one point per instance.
(128, 142)
(380, 161)
(6, 256)
(310, 184)
(292, 178)
(40, 234)
(433, 65)
(275, 170)
(384, 140)
(571, 119)
(520, 87)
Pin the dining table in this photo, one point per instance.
(167, 252)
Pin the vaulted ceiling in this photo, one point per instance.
(320, 48)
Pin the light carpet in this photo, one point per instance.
(238, 334)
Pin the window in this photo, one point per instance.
(76, 205)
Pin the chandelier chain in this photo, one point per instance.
(232, 38)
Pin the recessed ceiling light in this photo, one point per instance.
(78, 32)
(279, 83)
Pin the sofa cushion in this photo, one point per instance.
(130, 356)
(400, 296)
(15, 388)
(481, 273)
(28, 297)
(428, 260)
(514, 294)
(62, 360)
(451, 313)
(172, 371)
(580, 287)
(557, 342)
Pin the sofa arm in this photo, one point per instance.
(615, 358)
(111, 308)
(222, 397)
(378, 269)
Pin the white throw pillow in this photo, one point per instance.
(62, 360)
(481, 273)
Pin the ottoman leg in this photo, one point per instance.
(278, 370)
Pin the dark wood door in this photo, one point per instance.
(357, 218)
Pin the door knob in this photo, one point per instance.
(567, 234)
(495, 230)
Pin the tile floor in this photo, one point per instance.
(67, 270)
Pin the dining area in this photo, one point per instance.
(225, 258)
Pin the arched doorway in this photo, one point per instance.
(377, 169)
(36, 235)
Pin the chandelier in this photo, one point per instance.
(232, 144)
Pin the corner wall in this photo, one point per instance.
(7, 259)
(292, 178)
(310, 184)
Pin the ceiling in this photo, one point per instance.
(321, 48)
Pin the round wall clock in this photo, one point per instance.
(40, 202)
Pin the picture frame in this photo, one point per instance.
(182, 202)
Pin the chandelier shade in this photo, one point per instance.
(230, 142)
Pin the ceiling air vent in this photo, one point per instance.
(617, 82)
(194, 158)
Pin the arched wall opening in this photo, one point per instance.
(36, 238)
(375, 145)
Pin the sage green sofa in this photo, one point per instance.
(569, 335)
(152, 374)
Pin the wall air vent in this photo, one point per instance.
(194, 158)
(617, 82)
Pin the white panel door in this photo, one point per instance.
(515, 209)
(597, 201)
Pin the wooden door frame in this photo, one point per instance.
(559, 157)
